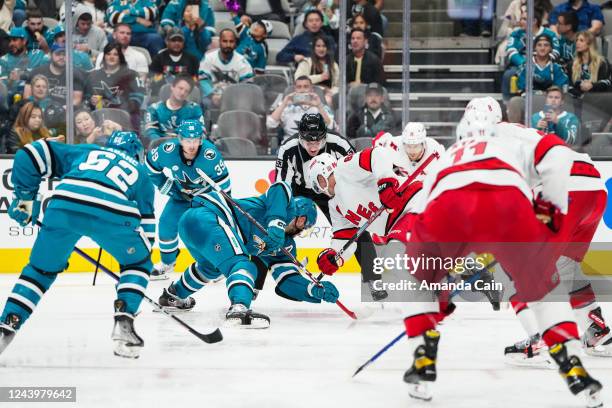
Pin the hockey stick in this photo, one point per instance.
(97, 267)
(213, 337)
(364, 227)
(380, 352)
(293, 259)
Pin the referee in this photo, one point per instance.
(295, 154)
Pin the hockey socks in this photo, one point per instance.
(190, 282)
(132, 285)
(241, 282)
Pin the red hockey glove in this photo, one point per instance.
(388, 192)
(327, 261)
(547, 213)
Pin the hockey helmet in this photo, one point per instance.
(191, 129)
(414, 133)
(312, 127)
(474, 128)
(383, 139)
(461, 132)
(305, 207)
(129, 142)
(488, 106)
(322, 165)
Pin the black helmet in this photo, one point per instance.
(312, 127)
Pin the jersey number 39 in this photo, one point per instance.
(123, 174)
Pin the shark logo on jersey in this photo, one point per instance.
(259, 244)
(210, 154)
(186, 181)
(168, 147)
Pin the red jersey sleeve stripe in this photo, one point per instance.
(544, 146)
(580, 168)
(365, 159)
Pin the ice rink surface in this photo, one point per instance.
(305, 359)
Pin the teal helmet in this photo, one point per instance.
(129, 142)
(305, 207)
(191, 129)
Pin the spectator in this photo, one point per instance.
(195, 15)
(589, 15)
(252, 43)
(122, 34)
(198, 36)
(164, 117)
(81, 60)
(115, 85)
(567, 26)
(87, 37)
(222, 67)
(321, 68)
(362, 66)
(374, 40)
(516, 48)
(590, 72)
(299, 47)
(374, 117)
(96, 8)
(55, 71)
(172, 61)
(371, 15)
(88, 132)
(289, 109)
(12, 11)
(546, 73)
(36, 31)
(140, 15)
(28, 127)
(330, 21)
(18, 61)
(554, 120)
(40, 92)
(276, 7)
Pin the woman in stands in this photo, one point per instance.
(321, 68)
(28, 127)
(114, 85)
(88, 132)
(590, 72)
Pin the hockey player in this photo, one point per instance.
(105, 194)
(224, 242)
(484, 180)
(587, 202)
(359, 185)
(174, 167)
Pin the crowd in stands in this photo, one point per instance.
(147, 65)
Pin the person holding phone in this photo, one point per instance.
(553, 119)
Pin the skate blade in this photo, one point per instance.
(125, 351)
(421, 391)
(255, 324)
(537, 361)
(172, 309)
(159, 277)
(599, 351)
(591, 396)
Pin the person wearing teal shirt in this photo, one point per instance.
(552, 119)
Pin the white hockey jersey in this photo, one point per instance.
(584, 176)
(356, 195)
(402, 165)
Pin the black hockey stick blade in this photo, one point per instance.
(361, 368)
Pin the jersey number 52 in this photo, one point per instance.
(122, 174)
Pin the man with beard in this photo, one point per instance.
(36, 31)
(55, 71)
(223, 67)
(18, 60)
(164, 117)
(172, 61)
(122, 35)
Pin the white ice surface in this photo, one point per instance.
(305, 359)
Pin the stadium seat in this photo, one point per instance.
(246, 97)
(271, 85)
(238, 123)
(156, 142)
(607, 28)
(116, 115)
(144, 52)
(594, 109)
(194, 96)
(279, 30)
(3, 96)
(217, 5)
(236, 147)
(356, 97)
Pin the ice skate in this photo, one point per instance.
(423, 370)
(597, 339)
(8, 329)
(529, 353)
(377, 295)
(127, 342)
(162, 271)
(239, 316)
(172, 303)
(578, 379)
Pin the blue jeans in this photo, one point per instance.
(153, 42)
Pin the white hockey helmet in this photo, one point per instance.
(474, 128)
(488, 106)
(322, 165)
(461, 132)
(414, 133)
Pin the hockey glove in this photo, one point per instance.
(327, 291)
(276, 235)
(327, 261)
(388, 192)
(25, 211)
(547, 213)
